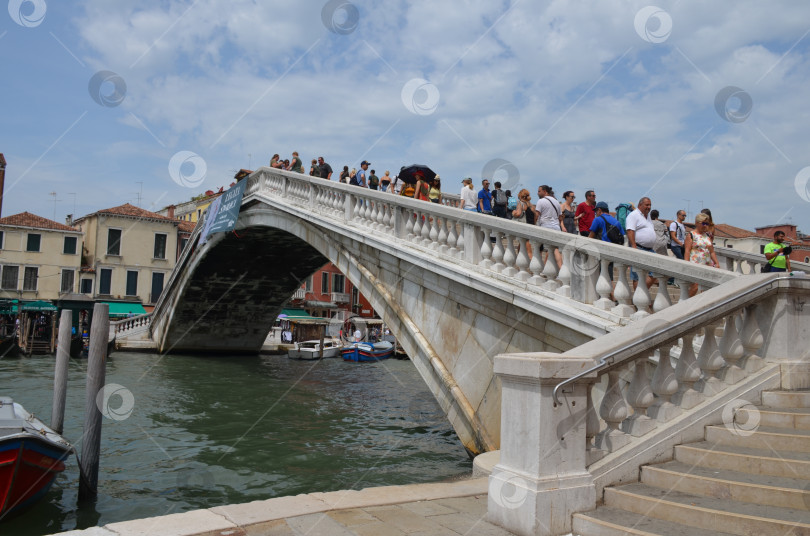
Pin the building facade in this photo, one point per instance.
(328, 294)
(128, 253)
(39, 258)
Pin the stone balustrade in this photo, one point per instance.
(573, 423)
(593, 272)
(140, 322)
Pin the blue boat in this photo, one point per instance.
(365, 351)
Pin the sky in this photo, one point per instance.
(694, 104)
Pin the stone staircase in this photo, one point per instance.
(750, 476)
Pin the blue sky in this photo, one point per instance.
(102, 102)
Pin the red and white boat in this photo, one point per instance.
(31, 455)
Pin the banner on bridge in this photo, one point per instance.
(224, 211)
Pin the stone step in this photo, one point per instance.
(708, 513)
(786, 399)
(739, 458)
(797, 418)
(738, 486)
(762, 437)
(606, 521)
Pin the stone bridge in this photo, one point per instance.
(455, 287)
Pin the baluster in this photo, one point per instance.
(536, 264)
(498, 252)
(375, 216)
(509, 256)
(640, 397)
(460, 241)
(592, 426)
(418, 225)
(641, 297)
(710, 361)
(731, 349)
(684, 287)
(367, 210)
(662, 299)
(410, 227)
(358, 207)
(550, 269)
(442, 238)
(687, 373)
(565, 272)
(522, 261)
(622, 293)
(486, 250)
(664, 385)
(613, 411)
(452, 238)
(387, 220)
(604, 287)
(752, 340)
(427, 227)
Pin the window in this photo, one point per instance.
(324, 282)
(355, 296)
(68, 277)
(104, 280)
(183, 242)
(1, 239)
(114, 242)
(86, 286)
(30, 278)
(807, 259)
(132, 283)
(157, 286)
(308, 284)
(33, 242)
(10, 276)
(160, 246)
(338, 282)
(70, 245)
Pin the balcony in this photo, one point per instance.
(341, 297)
(300, 294)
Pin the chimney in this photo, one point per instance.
(170, 212)
(2, 181)
(69, 220)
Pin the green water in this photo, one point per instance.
(209, 431)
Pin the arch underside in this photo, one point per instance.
(450, 329)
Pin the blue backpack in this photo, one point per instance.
(511, 203)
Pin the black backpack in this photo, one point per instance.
(614, 234)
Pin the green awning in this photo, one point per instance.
(294, 313)
(125, 309)
(8, 307)
(38, 306)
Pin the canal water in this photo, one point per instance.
(182, 433)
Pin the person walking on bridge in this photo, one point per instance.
(325, 169)
(641, 234)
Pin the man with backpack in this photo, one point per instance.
(499, 201)
(606, 227)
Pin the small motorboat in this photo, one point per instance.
(31, 456)
(366, 351)
(312, 349)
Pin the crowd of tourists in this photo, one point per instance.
(639, 227)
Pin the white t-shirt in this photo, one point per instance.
(680, 233)
(549, 212)
(358, 336)
(469, 198)
(643, 226)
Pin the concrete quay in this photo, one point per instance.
(438, 509)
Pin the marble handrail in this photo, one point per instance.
(586, 274)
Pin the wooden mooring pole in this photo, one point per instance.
(61, 372)
(96, 373)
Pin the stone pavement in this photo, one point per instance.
(440, 509)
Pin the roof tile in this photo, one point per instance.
(26, 219)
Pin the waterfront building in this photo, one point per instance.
(128, 254)
(327, 293)
(191, 211)
(39, 258)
